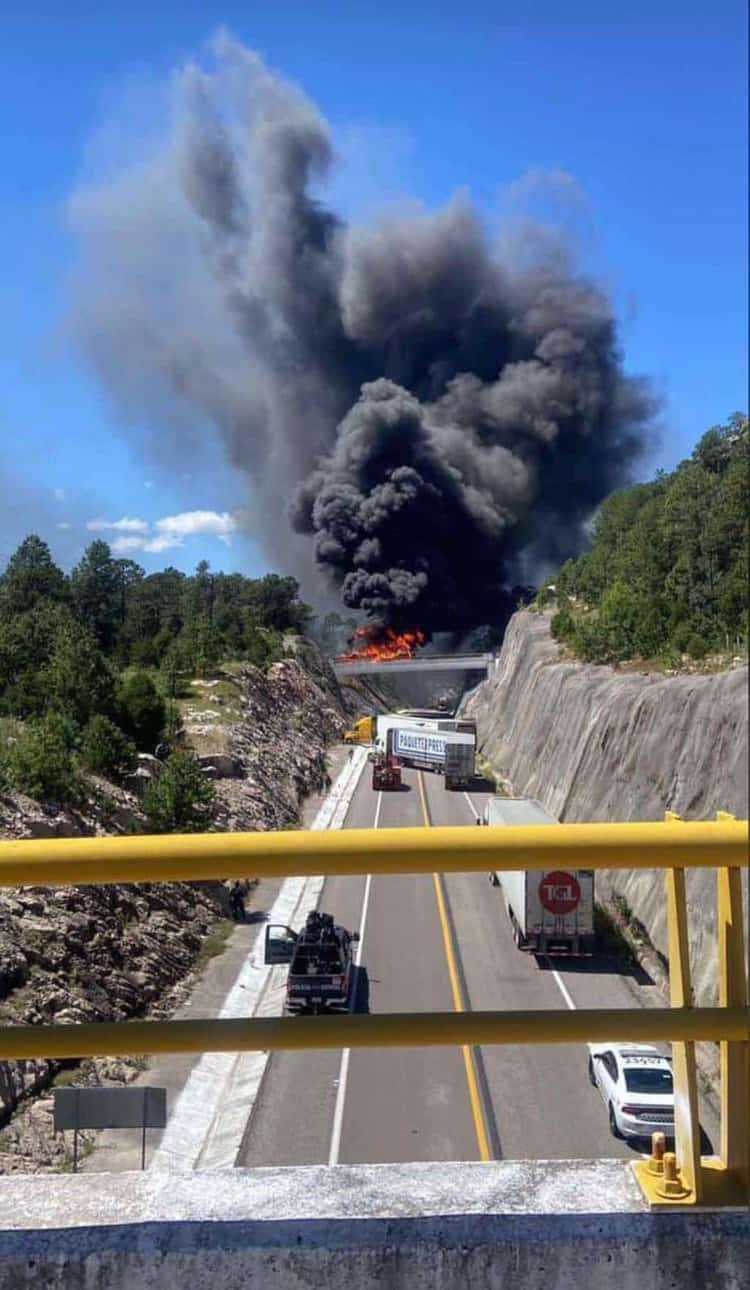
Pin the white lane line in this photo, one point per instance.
(472, 807)
(563, 988)
(338, 1112)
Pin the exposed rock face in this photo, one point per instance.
(594, 743)
(90, 954)
(108, 953)
(290, 716)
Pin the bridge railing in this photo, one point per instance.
(685, 1178)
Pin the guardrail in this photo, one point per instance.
(682, 1178)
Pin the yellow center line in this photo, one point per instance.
(459, 1003)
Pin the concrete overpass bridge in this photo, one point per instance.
(423, 663)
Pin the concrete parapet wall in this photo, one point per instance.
(542, 1225)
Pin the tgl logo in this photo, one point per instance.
(559, 892)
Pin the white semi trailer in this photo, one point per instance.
(449, 752)
(551, 912)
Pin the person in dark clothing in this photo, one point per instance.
(237, 902)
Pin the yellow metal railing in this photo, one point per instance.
(720, 844)
(188, 857)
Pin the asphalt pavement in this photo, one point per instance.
(432, 943)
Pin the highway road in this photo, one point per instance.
(435, 943)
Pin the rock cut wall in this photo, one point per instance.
(594, 743)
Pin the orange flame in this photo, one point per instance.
(383, 645)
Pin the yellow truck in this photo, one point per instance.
(362, 732)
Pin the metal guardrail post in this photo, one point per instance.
(687, 1132)
(712, 1180)
(735, 1057)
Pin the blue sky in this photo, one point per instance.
(644, 104)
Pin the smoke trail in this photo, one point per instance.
(420, 408)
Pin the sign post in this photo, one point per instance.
(110, 1108)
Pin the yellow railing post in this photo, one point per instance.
(686, 1119)
(735, 1057)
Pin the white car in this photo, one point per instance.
(635, 1081)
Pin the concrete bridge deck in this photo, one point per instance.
(422, 663)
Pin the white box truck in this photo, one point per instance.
(551, 912)
(450, 753)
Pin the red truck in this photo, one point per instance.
(386, 772)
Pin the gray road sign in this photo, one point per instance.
(110, 1108)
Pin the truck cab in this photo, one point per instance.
(362, 732)
(321, 968)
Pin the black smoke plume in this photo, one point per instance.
(427, 413)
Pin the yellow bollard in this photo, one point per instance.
(656, 1159)
(671, 1187)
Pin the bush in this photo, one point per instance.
(696, 647)
(680, 636)
(670, 658)
(143, 653)
(562, 625)
(105, 750)
(40, 762)
(264, 648)
(591, 641)
(171, 675)
(142, 710)
(182, 799)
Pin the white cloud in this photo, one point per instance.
(168, 533)
(60, 494)
(129, 545)
(125, 525)
(220, 524)
(64, 524)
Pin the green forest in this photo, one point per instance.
(91, 664)
(667, 572)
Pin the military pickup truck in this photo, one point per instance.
(321, 968)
